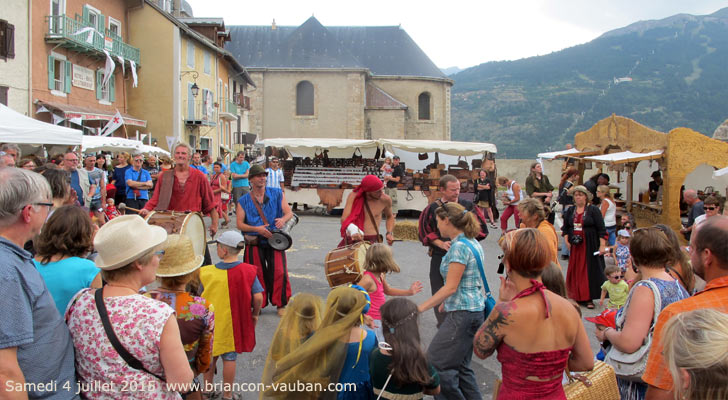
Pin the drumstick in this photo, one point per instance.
(123, 206)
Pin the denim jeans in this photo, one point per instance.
(436, 283)
(451, 351)
(612, 233)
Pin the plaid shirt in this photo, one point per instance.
(469, 294)
(715, 295)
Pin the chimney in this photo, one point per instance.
(273, 27)
(177, 8)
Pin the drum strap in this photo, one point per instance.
(166, 181)
(260, 211)
(371, 218)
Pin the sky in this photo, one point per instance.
(467, 32)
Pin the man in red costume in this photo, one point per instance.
(363, 213)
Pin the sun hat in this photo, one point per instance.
(232, 239)
(583, 189)
(623, 233)
(125, 239)
(607, 318)
(256, 170)
(179, 257)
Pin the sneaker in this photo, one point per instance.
(564, 257)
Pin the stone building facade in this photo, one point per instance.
(341, 82)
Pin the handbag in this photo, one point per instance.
(598, 384)
(631, 366)
(489, 300)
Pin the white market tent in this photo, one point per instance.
(17, 128)
(112, 143)
(441, 146)
(554, 154)
(625, 157)
(157, 151)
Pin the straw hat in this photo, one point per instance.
(125, 239)
(583, 189)
(179, 257)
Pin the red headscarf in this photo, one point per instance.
(370, 183)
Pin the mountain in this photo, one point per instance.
(664, 74)
(450, 70)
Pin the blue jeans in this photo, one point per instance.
(612, 232)
(450, 353)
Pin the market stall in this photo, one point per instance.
(31, 134)
(115, 144)
(620, 144)
(324, 170)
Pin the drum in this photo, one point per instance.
(346, 264)
(189, 224)
(281, 239)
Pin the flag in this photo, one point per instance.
(77, 120)
(57, 119)
(121, 60)
(108, 68)
(42, 109)
(115, 122)
(132, 66)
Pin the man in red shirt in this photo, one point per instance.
(709, 257)
(190, 190)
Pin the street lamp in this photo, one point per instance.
(195, 89)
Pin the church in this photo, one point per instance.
(352, 82)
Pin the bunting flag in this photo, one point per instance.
(89, 37)
(108, 68)
(121, 60)
(115, 122)
(42, 109)
(57, 119)
(77, 120)
(132, 66)
(171, 141)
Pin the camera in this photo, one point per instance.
(575, 239)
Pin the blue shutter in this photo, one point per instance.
(67, 77)
(51, 73)
(112, 88)
(101, 24)
(85, 15)
(99, 81)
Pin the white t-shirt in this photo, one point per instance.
(610, 218)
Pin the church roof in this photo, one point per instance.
(721, 133)
(383, 50)
(378, 98)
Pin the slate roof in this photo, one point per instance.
(385, 50)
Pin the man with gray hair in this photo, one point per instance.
(36, 352)
(696, 209)
(12, 150)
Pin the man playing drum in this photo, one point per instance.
(188, 190)
(363, 213)
(259, 212)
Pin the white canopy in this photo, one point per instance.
(625, 157)
(308, 147)
(721, 175)
(441, 146)
(17, 128)
(344, 148)
(109, 143)
(553, 154)
(147, 149)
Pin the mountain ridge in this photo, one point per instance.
(672, 75)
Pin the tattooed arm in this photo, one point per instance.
(491, 332)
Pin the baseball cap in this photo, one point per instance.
(607, 318)
(232, 239)
(623, 233)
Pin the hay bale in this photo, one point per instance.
(406, 230)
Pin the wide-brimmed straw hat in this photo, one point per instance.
(583, 189)
(179, 257)
(125, 239)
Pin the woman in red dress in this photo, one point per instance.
(536, 332)
(586, 237)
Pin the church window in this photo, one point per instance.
(423, 106)
(304, 98)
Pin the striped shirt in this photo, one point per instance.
(275, 177)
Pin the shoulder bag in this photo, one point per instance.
(631, 366)
(253, 240)
(128, 357)
(489, 300)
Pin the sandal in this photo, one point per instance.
(212, 395)
(590, 305)
(236, 396)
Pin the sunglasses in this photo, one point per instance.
(710, 208)
(617, 276)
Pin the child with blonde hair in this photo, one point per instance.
(387, 168)
(379, 262)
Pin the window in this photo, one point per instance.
(59, 74)
(58, 8)
(190, 54)
(423, 106)
(4, 95)
(114, 27)
(165, 5)
(105, 93)
(7, 40)
(304, 98)
(207, 62)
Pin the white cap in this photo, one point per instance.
(232, 239)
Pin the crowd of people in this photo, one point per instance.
(86, 316)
